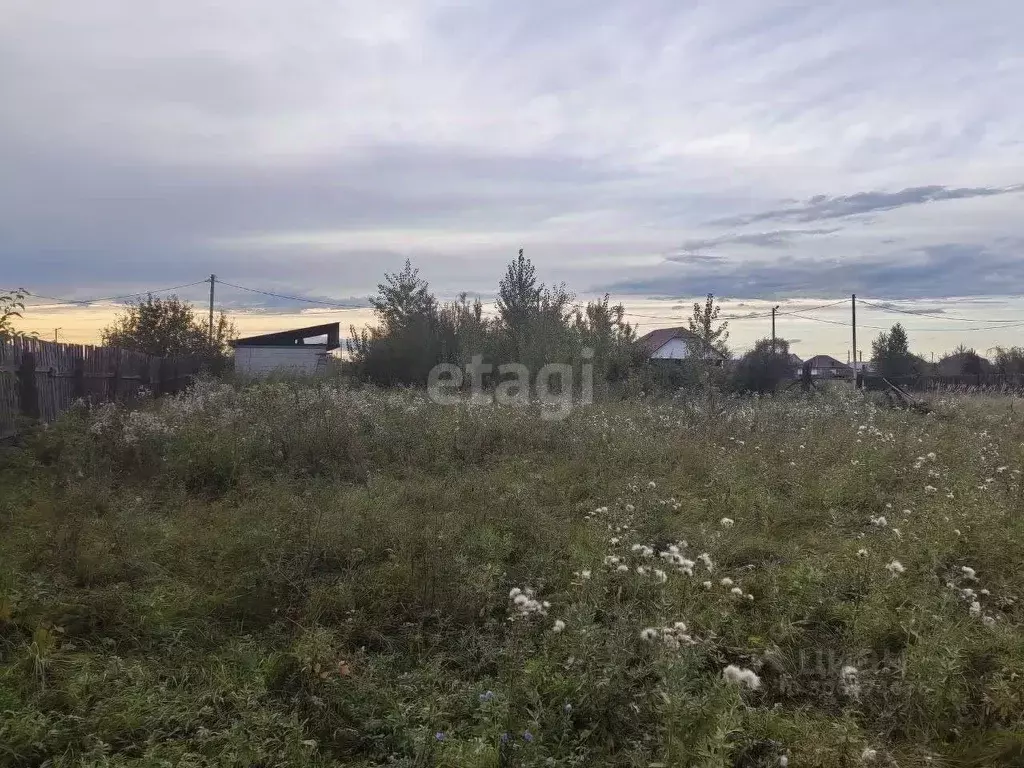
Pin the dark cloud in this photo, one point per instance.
(929, 272)
(775, 239)
(824, 207)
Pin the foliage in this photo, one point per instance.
(891, 356)
(300, 575)
(535, 325)
(712, 335)
(1009, 360)
(11, 307)
(763, 368)
(169, 327)
(407, 342)
(964, 361)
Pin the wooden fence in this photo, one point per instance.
(39, 380)
(994, 382)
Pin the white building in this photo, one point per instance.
(299, 352)
(675, 344)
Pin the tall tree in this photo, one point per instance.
(408, 340)
(519, 295)
(711, 335)
(405, 299)
(890, 353)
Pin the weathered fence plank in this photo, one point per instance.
(39, 380)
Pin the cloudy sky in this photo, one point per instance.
(760, 150)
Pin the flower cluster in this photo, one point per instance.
(672, 637)
(525, 603)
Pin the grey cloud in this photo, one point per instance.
(824, 207)
(955, 269)
(775, 239)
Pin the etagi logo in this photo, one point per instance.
(554, 385)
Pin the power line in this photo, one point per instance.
(62, 301)
(744, 317)
(885, 308)
(291, 298)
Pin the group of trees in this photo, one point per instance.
(534, 324)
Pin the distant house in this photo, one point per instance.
(301, 351)
(826, 367)
(676, 344)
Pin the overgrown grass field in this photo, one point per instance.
(287, 574)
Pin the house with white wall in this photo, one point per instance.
(677, 344)
(299, 352)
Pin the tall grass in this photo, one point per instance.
(293, 574)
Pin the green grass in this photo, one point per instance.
(296, 575)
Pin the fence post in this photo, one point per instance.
(27, 386)
(115, 379)
(79, 378)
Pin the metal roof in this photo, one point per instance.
(294, 338)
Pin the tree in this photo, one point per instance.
(11, 307)
(408, 340)
(704, 325)
(963, 361)
(1009, 361)
(404, 300)
(763, 368)
(170, 328)
(890, 353)
(519, 295)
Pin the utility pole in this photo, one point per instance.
(55, 335)
(213, 281)
(854, 305)
(773, 327)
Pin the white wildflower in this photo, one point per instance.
(559, 627)
(737, 591)
(652, 485)
(585, 575)
(660, 576)
(649, 635)
(630, 508)
(989, 621)
(739, 676)
(895, 568)
(707, 585)
(930, 489)
(849, 682)
(862, 552)
(969, 573)
(727, 522)
(783, 761)
(622, 568)
(869, 755)
(705, 558)
(879, 522)
(975, 609)
(726, 582)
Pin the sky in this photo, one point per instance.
(658, 150)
